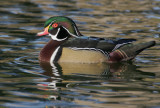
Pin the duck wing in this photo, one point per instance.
(104, 44)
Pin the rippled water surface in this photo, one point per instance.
(24, 82)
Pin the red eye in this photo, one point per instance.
(55, 25)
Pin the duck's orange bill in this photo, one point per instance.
(45, 32)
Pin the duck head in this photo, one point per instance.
(60, 28)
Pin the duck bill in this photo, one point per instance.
(45, 32)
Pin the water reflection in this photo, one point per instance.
(67, 80)
(110, 72)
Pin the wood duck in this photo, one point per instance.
(67, 44)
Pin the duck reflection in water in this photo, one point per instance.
(64, 75)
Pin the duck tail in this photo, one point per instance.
(129, 51)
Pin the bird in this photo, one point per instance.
(68, 45)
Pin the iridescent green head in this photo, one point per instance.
(60, 28)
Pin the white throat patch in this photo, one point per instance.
(54, 37)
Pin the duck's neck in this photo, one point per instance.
(48, 49)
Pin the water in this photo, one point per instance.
(24, 82)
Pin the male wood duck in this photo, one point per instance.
(67, 44)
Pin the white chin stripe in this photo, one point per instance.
(54, 37)
(69, 32)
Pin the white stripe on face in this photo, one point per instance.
(69, 32)
(54, 37)
(76, 30)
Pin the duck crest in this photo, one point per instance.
(66, 22)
